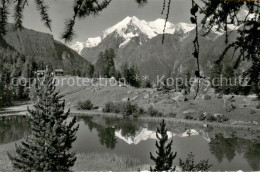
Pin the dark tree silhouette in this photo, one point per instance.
(165, 156)
(223, 12)
(48, 147)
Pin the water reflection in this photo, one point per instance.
(106, 134)
(134, 137)
(129, 130)
(227, 148)
(13, 129)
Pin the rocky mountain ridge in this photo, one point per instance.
(138, 42)
(45, 50)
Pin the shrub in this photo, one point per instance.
(258, 106)
(189, 165)
(172, 114)
(86, 105)
(127, 109)
(202, 117)
(252, 111)
(140, 111)
(222, 118)
(111, 107)
(211, 118)
(188, 117)
(153, 112)
(219, 118)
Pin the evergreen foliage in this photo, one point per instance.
(224, 12)
(48, 147)
(85, 105)
(82, 9)
(165, 156)
(105, 65)
(124, 108)
(90, 70)
(131, 75)
(226, 81)
(19, 6)
(189, 164)
(13, 66)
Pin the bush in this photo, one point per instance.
(211, 118)
(258, 106)
(140, 111)
(86, 105)
(189, 165)
(222, 118)
(127, 109)
(153, 112)
(202, 117)
(172, 114)
(188, 117)
(219, 118)
(252, 111)
(111, 107)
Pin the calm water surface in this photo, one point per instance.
(136, 139)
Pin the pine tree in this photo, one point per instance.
(165, 156)
(48, 146)
(215, 76)
(229, 74)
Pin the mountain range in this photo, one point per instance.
(139, 42)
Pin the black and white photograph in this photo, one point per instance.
(129, 85)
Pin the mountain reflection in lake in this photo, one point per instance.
(136, 138)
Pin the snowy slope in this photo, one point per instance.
(133, 27)
(78, 47)
(158, 26)
(184, 27)
(90, 43)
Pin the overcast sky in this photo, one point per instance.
(59, 10)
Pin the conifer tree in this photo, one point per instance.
(165, 156)
(48, 146)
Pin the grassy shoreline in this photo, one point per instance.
(153, 119)
(90, 162)
(169, 119)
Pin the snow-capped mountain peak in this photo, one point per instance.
(78, 47)
(131, 27)
(184, 27)
(158, 26)
(90, 43)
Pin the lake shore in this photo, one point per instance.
(21, 110)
